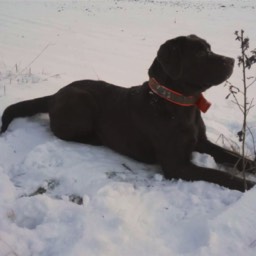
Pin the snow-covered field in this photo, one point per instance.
(67, 199)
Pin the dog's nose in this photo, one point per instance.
(231, 61)
(228, 61)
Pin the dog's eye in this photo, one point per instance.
(203, 52)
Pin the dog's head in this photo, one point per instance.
(188, 62)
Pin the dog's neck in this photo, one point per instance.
(163, 86)
(177, 98)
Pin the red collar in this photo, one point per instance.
(177, 98)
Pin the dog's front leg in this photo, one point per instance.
(225, 156)
(191, 172)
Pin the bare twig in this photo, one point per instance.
(253, 142)
(37, 56)
(245, 62)
(249, 85)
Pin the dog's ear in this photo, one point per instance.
(169, 56)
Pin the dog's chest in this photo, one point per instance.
(177, 124)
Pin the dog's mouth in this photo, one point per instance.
(224, 69)
(219, 69)
(202, 86)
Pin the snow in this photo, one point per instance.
(62, 198)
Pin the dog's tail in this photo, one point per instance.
(23, 109)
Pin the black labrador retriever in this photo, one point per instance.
(156, 122)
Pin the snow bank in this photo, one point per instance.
(59, 198)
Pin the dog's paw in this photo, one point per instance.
(246, 165)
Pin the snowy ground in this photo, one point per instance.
(94, 202)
